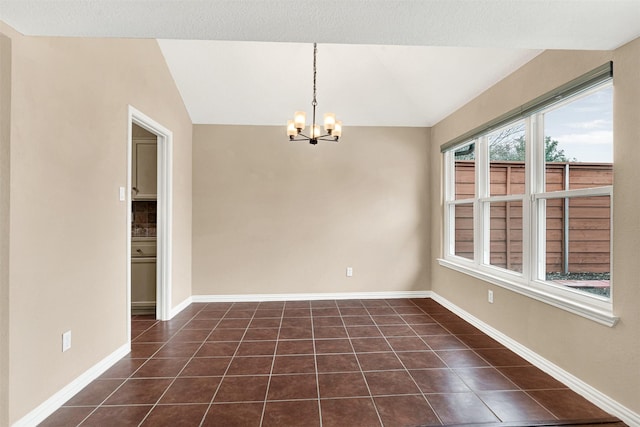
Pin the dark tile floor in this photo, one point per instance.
(319, 363)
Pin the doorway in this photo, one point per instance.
(163, 203)
(144, 195)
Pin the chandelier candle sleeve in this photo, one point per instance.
(332, 127)
(329, 122)
(300, 120)
(291, 128)
(337, 131)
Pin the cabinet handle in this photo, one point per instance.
(139, 250)
(135, 189)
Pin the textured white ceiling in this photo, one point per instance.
(530, 24)
(396, 63)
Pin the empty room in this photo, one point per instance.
(319, 213)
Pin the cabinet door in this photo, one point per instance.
(145, 169)
(143, 280)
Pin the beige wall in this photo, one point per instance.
(5, 115)
(68, 227)
(140, 132)
(273, 217)
(606, 358)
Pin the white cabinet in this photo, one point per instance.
(143, 276)
(144, 168)
(143, 282)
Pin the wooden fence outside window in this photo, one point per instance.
(578, 229)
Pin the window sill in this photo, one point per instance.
(597, 314)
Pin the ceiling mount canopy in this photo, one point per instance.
(332, 127)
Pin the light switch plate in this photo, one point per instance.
(66, 341)
(349, 271)
(122, 194)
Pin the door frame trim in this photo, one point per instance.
(164, 212)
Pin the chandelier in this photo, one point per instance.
(332, 127)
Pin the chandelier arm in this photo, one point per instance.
(327, 137)
(303, 137)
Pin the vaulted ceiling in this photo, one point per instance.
(390, 63)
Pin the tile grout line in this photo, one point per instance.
(452, 370)
(273, 361)
(434, 352)
(125, 379)
(364, 377)
(188, 361)
(402, 363)
(490, 365)
(315, 363)
(449, 367)
(204, 416)
(101, 404)
(541, 404)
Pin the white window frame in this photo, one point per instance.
(594, 307)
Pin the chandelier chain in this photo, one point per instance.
(315, 53)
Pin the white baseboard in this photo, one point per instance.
(574, 383)
(310, 296)
(178, 308)
(143, 304)
(50, 405)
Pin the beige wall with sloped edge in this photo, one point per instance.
(68, 264)
(5, 120)
(276, 217)
(605, 358)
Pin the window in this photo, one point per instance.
(464, 194)
(578, 153)
(528, 205)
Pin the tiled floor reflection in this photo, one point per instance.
(349, 363)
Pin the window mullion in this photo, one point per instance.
(538, 207)
(448, 221)
(526, 202)
(581, 192)
(449, 191)
(482, 191)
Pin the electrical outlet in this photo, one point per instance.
(490, 296)
(349, 271)
(66, 341)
